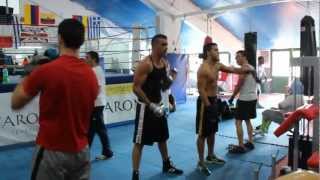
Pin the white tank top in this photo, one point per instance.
(248, 91)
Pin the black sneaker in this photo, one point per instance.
(237, 150)
(135, 175)
(204, 169)
(258, 127)
(169, 168)
(214, 160)
(249, 145)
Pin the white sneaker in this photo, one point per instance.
(204, 169)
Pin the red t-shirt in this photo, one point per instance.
(68, 88)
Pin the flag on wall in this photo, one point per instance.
(83, 19)
(6, 39)
(31, 14)
(94, 27)
(47, 18)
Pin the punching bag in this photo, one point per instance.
(308, 47)
(250, 45)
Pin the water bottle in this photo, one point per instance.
(5, 75)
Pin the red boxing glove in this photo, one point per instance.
(207, 40)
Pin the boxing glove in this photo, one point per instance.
(157, 109)
(35, 62)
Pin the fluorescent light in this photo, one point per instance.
(30, 47)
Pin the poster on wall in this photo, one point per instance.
(121, 103)
(34, 34)
(179, 86)
(6, 39)
(18, 126)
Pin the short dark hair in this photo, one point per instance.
(242, 52)
(72, 33)
(260, 57)
(94, 55)
(206, 48)
(156, 37)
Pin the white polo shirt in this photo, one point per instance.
(101, 99)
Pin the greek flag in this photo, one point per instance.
(94, 27)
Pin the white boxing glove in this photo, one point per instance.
(157, 109)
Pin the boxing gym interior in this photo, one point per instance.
(278, 39)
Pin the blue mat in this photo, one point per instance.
(16, 163)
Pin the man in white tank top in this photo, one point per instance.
(246, 103)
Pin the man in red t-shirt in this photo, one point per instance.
(68, 88)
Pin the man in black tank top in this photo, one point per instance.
(151, 125)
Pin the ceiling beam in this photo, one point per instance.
(227, 8)
(161, 7)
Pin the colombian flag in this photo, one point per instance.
(31, 14)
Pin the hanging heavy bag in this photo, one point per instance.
(307, 48)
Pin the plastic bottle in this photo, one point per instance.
(5, 75)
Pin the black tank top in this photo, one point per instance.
(152, 85)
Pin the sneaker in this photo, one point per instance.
(214, 160)
(258, 127)
(259, 131)
(169, 168)
(203, 169)
(249, 145)
(237, 150)
(105, 156)
(135, 175)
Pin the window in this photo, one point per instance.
(225, 58)
(281, 63)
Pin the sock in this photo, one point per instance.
(266, 128)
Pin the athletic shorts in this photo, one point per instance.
(56, 165)
(207, 117)
(246, 110)
(148, 127)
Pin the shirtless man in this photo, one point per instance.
(207, 109)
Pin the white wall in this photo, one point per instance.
(226, 40)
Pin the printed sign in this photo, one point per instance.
(22, 126)
(18, 126)
(121, 103)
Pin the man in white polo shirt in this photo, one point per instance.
(97, 121)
